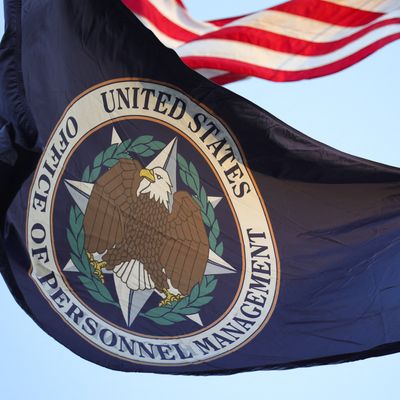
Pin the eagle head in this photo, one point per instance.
(157, 183)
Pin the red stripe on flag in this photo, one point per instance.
(148, 11)
(328, 12)
(224, 21)
(228, 78)
(288, 44)
(180, 2)
(244, 68)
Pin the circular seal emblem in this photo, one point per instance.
(147, 233)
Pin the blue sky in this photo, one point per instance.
(355, 111)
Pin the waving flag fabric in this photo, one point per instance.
(154, 221)
(299, 39)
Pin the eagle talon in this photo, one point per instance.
(169, 298)
(97, 266)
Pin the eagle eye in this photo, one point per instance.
(158, 176)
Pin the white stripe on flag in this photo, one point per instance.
(179, 16)
(161, 36)
(211, 73)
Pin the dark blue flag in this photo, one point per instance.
(154, 221)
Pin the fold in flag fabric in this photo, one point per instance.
(298, 39)
(153, 221)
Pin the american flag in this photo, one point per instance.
(299, 39)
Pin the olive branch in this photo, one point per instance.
(144, 146)
(190, 176)
(76, 240)
(191, 304)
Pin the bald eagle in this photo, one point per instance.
(152, 238)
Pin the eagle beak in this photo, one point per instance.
(148, 174)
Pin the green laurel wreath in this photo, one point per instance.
(191, 304)
(76, 240)
(144, 146)
(191, 178)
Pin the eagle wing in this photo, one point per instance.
(185, 253)
(109, 205)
